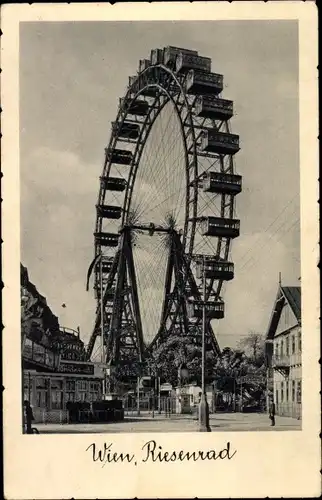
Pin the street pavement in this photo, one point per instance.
(177, 423)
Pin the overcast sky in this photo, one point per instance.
(71, 76)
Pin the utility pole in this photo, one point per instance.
(159, 395)
(138, 396)
(102, 328)
(203, 407)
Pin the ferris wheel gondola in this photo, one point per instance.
(167, 196)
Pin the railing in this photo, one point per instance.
(296, 359)
(282, 361)
(95, 416)
(64, 329)
(43, 416)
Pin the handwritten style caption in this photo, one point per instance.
(151, 451)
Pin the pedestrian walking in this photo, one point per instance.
(29, 417)
(272, 411)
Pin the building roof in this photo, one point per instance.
(291, 295)
(48, 320)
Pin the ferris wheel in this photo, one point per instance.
(165, 215)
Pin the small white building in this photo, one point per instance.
(283, 352)
(188, 398)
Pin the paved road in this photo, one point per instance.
(218, 422)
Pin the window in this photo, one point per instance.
(41, 397)
(293, 390)
(293, 344)
(57, 384)
(56, 400)
(82, 385)
(282, 392)
(41, 383)
(300, 342)
(282, 348)
(82, 396)
(50, 358)
(287, 391)
(276, 349)
(70, 385)
(26, 394)
(94, 386)
(299, 392)
(276, 397)
(70, 396)
(287, 341)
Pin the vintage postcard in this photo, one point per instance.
(160, 227)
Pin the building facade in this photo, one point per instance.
(53, 391)
(284, 352)
(54, 365)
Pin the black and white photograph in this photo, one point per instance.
(160, 226)
(161, 287)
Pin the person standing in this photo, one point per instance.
(29, 417)
(272, 411)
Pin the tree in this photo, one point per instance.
(177, 351)
(253, 346)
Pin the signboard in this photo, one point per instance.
(77, 368)
(248, 379)
(166, 387)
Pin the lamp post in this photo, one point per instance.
(203, 406)
(159, 395)
(102, 329)
(138, 395)
(111, 371)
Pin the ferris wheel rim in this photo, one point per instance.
(121, 118)
(114, 139)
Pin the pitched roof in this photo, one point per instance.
(290, 294)
(293, 297)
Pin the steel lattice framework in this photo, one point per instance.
(166, 199)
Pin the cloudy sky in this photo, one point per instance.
(71, 76)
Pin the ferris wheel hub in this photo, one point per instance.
(151, 228)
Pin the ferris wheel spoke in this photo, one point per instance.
(151, 275)
(158, 169)
(158, 194)
(153, 146)
(167, 132)
(165, 182)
